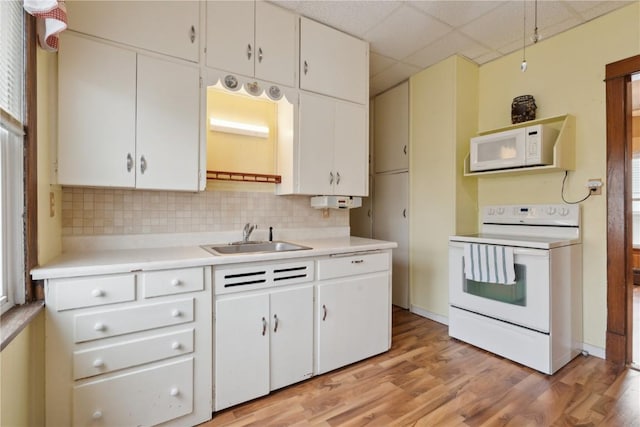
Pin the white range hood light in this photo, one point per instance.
(336, 202)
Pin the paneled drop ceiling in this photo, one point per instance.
(408, 36)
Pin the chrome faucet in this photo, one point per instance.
(247, 230)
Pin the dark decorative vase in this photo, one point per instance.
(523, 109)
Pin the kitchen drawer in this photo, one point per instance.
(353, 264)
(100, 360)
(102, 324)
(169, 282)
(92, 291)
(144, 397)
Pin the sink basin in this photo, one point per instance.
(242, 248)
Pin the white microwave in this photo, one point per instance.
(516, 148)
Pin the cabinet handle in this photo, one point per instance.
(404, 212)
(405, 149)
(324, 312)
(176, 313)
(176, 345)
(249, 52)
(264, 326)
(97, 414)
(306, 67)
(97, 293)
(259, 54)
(99, 327)
(337, 178)
(129, 162)
(275, 323)
(192, 34)
(330, 177)
(174, 391)
(143, 164)
(175, 282)
(369, 213)
(98, 363)
(357, 261)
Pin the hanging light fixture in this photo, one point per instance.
(534, 38)
(523, 64)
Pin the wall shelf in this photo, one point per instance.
(563, 149)
(244, 177)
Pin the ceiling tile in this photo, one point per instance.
(391, 77)
(379, 63)
(404, 32)
(456, 13)
(591, 9)
(448, 45)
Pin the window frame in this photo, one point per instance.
(29, 171)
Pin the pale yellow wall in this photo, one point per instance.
(22, 378)
(565, 75)
(49, 227)
(240, 153)
(443, 116)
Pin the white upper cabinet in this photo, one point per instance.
(332, 147)
(125, 119)
(167, 134)
(255, 39)
(167, 27)
(391, 129)
(333, 63)
(96, 113)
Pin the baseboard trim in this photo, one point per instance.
(429, 315)
(594, 351)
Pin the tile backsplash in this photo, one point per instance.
(93, 211)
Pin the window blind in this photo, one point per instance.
(12, 59)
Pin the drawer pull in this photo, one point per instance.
(176, 282)
(176, 313)
(176, 345)
(357, 261)
(174, 391)
(97, 293)
(100, 327)
(324, 312)
(98, 363)
(275, 323)
(264, 326)
(97, 414)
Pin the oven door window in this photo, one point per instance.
(515, 294)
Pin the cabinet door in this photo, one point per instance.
(391, 222)
(315, 161)
(353, 320)
(291, 336)
(168, 27)
(391, 129)
(230, 36)
(275, 58)
(350, 155)
(241, 349)
(333, 63)
(167, 125)
(96, 113)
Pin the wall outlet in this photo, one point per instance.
(595, 186)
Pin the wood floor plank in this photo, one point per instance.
(430, 379)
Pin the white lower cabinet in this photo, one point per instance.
(129, 349)
(353, 307)
(278, 324)
(263, 341)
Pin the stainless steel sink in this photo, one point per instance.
(241, 248)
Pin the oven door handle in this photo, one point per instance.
(516, 250)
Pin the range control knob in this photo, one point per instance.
(564, 211)
(500, 211)
(551, 210)
(491, 211)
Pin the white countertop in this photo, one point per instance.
(110, 261)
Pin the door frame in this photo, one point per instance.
(619, 214)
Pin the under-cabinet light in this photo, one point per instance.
(239, 128)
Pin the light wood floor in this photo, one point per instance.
(429, 379)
